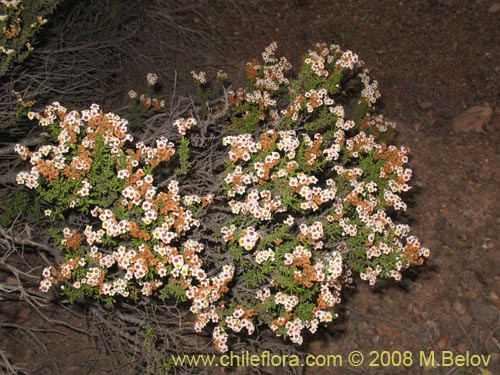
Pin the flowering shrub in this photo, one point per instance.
(135, 240)
(19, 23)
(311, 181)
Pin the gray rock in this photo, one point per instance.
(494, 8)
(484, 312)
(472, 120)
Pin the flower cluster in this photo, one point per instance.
(200, 77)
(310, 188)
(135, 242)
(184, 125)
(146, 103)
(152, 78)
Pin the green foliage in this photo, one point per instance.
(173, 290)
(185, 164)
(20, 22)
(245, 120)
(19, 203)
(157, 364)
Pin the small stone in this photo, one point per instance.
(446, 307)
(494, 8)
(484, 312)
(443, 342)
(459, 307)
(420, 184)
(385, 330)
(425, 105)
(462, 348)
(471, 295)
(493, 297)
(414, 309)
(466, 320)
(472, 120)
(444, 212)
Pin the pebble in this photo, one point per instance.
(443, 342)
(472, 120)
(385, 330)
(493, 297)
(425, 105)
(462, 348)
(471, 295)
(447, 307)
(419, 184)
(494, 8)
(484, 312)
(414, 309)
(466, 320)
(459, 307)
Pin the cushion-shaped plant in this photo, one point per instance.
(134, 238)
(311, 183)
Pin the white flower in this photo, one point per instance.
(11, 3)
(200, 77)
(151, 78)
(184, 124)
(221, 75)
